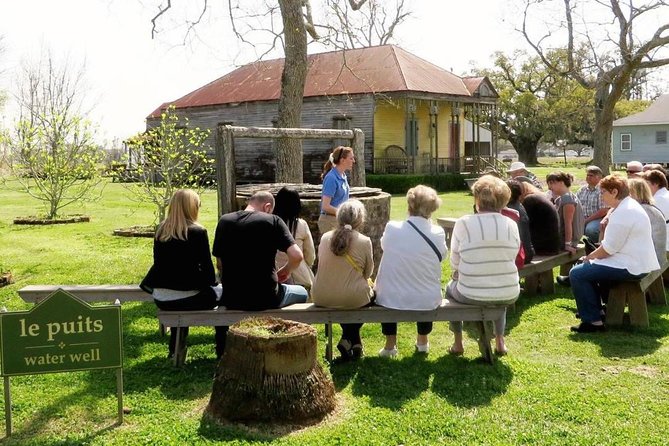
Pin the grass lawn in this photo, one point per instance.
(554, 387)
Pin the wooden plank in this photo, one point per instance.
(88, 293)
(272, 132)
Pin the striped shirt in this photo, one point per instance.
(483, 252)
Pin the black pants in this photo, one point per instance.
(204, 300)
(390, 328)
(351, 332)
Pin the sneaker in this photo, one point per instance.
(563, 280)
(388, 353)
(356, 351)
(344, 347)
(423, 348)
(586, 327)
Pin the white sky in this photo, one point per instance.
(130, 75)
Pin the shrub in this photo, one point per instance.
(400, 184)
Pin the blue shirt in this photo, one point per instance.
(336, 187)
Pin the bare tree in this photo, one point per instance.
(53, 156)
(602, 55)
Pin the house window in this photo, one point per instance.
(626, 141)
(341, 123)
(661, 137)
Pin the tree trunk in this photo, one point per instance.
(289, 151)
(526, 148)
(269, 373)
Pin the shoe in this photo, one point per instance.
(452, 351)
(563, 280)
(356, 351)
(586, 327)
(423, 348)
(385, 353)
(344, 346)
(501, 352)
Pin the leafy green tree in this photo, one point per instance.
(52, 155)
(165, 158)
(626, 108)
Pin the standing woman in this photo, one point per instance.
(570, 212)
(345, 264)
(182, 276)
(335, 186)
(288, 206)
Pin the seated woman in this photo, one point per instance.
(570, 212)
(483, 252)
(182, 275)
(622, 255)
(345, 264)
(288, 206)
(524, 221)
(544, 220)
(409, 275)
(640, 191)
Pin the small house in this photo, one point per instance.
(642, 136)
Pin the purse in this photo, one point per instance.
(429, 242)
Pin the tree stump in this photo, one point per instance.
(269, 373)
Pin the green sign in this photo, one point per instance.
(62, 333)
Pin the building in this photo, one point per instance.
(642, 136)
(410, 110)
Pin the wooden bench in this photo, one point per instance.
(633, 295)
(311, 314)
(538, 274)
(88, 293)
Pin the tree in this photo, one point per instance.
(606, 47)
(298, 22)
(52, 153)
(166, 158)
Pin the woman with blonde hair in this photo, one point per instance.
(182, 275)
(640, 191)
(410, 271)
(483, 254)
(345, 265)
(335, 186)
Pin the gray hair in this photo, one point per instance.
(351, 215)
(422, 201)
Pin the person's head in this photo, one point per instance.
(593, 175)
(517, 169)
(490, 194)
(515, 188)
(351, 216)
(640, 191)
(287, 205)
(559, 182)
(341, 157)
(183, 211)
(634, 168)
(261, 201)
(527, 189)
(422, 201)
(614, 189)
(656, 180)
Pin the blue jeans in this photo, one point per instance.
(586, 280)
(293, 294)
(592, 230)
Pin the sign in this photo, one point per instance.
(61, 333)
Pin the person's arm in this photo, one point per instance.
(455, 248)
(308, 249)
(327, 207)
(369, 260)
(205, 258)
(568, 211)
(295, 256)
(599, 253)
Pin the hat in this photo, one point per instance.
(516, 166)
(634, 166)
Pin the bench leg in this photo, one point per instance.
(161, 329)
(179, 349)
(328, 347)
(637, 307)
(485, 337)
(656, 292)
(531, 285)
(615, 308)
(565, 268)
(547, 282)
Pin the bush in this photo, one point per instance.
(400, 184)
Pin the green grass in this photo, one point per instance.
(553, 388)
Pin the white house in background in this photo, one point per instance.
(484, 139)
(642, 136)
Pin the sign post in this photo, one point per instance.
(60, 334)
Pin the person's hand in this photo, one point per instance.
(584, 259)
(569, 247)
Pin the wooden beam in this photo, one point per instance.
(271, 132)
(225, 170)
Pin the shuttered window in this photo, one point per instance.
(661, 137)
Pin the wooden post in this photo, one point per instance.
(8, 408)
(225, 170)
(358, 145)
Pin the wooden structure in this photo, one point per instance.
(632, 294)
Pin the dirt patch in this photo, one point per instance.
(645, 371)
(35, 220)
(6, 278)
(136, 231)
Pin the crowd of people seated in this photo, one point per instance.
(265, 253)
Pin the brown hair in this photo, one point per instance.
(655, 177)
(337, 154)
(611, 182)
(560, 177)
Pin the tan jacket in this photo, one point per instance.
(302, 275)
(337, 283)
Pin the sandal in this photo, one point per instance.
(454, 352)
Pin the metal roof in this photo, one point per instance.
(656, 113)
(379, 69)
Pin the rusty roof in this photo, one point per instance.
(379, 69)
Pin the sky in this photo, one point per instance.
(129, 74)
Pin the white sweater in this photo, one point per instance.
(409, 275)
(483, 252)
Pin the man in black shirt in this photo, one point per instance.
(245, 247)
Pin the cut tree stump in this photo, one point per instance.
(269, 373)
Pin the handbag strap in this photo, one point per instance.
(355, 266)
(429, 242)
